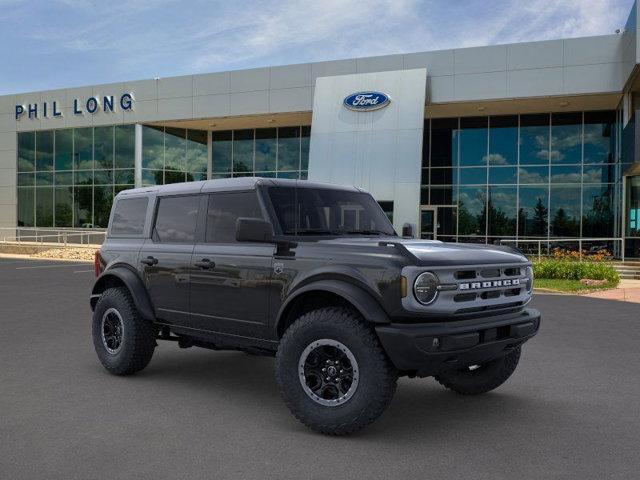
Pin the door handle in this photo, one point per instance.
(149, 260)
(205, 264)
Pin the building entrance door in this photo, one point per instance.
(428, 223)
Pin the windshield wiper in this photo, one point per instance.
(310, 231)
(367, 232)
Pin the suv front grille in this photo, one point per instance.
(470, 289)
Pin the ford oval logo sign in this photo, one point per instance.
(366, 101)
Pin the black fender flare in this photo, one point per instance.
(363, 301)
(133, 283)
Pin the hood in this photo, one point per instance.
(436, 253)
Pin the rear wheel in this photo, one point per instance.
(332, 372)
(478, 379)
(123, 340)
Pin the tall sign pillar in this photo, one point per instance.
(367, 131)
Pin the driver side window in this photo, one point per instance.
(223, 211)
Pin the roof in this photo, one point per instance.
(230, 184)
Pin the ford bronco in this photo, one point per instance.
(315, 275)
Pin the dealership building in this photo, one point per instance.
(532, 143)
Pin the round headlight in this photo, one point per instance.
(425, 288)
(529, 274)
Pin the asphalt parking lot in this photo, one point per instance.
(570, 411)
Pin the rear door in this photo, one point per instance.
(230, 280)
(165, 258)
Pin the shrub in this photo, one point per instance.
(575, 270)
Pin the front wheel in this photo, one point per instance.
(332, 372)
(478, 379)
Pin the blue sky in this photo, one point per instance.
(47, 44)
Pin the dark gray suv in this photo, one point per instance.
(314, 275)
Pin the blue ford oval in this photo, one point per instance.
(366, 101)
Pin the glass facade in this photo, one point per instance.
(540, 176)
(172, 155)
(535, 176)
(68, 177)
(281, 152)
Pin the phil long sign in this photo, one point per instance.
(366, 101)
(91, 105)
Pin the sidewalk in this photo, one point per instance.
(627, 291)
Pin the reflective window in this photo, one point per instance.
(176, 219)
(534, 139)
(153, 148)
(26, 151)
(125, 146)
(175, 151)
(533, 175)
(503, 175)
(26, 207)
(473, 176)
(243, 151)
(44, 150)
(502, 211)
(288, 149)
(444, 142)
(74, 181)
(533, 211)
(83, 148)
(266, 152)
(571, 174)
(63, 206)
(63, 159)
(566, 138)
(224, 209)
(599, 140)
(597, 211)
(103, 147)
(197, 154)
(564, 214)
(471, 211)
(266, 147)
(473, 141)
(222, 148)
(503, 140)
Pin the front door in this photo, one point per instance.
(165, 259)
(230, 281)
(428, 222)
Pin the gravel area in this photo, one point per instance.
(83, 253)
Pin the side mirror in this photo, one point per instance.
(407, 230)
(254, 230)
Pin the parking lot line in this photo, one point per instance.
(52, 266)
(83, 271)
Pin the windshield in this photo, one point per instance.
(310, 211)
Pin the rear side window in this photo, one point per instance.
(129, 215)
(176, 219)
(224, 209)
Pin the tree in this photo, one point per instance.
(540, 219)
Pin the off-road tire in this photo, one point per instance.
(482, 380)
(377, 376)
(138, 340)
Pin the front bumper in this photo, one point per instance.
(429, 348)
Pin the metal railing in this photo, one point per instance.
(545, 247)
(52, 236)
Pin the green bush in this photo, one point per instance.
(569, 270)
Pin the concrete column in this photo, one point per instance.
(138, 156)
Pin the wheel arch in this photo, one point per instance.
(121, 276)
(324, 293)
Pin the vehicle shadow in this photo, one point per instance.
(421, 407)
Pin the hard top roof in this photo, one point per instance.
(230, 184)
